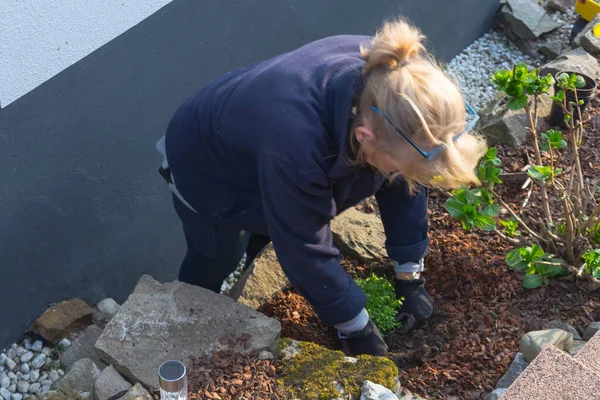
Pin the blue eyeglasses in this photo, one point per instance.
(430, 154)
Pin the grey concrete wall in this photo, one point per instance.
(82, 211)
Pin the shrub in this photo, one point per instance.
(382, 304)
(561, 242)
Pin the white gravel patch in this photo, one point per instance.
(234, 277)
(474, 66)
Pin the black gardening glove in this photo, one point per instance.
(416, 306)
(367, 341)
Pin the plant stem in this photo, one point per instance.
(513, 241)
(588, 224)
(516, 217)
(538, 157)
(569, 231)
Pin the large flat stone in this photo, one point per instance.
(359, 235)
(590, 354)
(104, 311)
(173, 321)
(527, 19)
(110, 384)
(83, 347)
(80, 379)
(533, 343)
(591, 330)
(62, 319)
(137, 392)
(261, 281)
(577, 60)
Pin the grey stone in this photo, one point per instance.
(532, 343)
(5, 381)
(11, 375)
(359, 235)
(11, 353)
(137, 392)
(2, 359)
(53, 375)
(25, 377)
(591, 43)
(6, 395)
(551, 49)
(265, 355)
(173, 321)
(591, 330)
(37, 346)
(25, 368)
(527, 19)
(559, 5)
(555, 324)
(261, 281)
(21, 351)
(47, 351)
(104, 311)
(373, 391)
(18, 396)
(577, 60)
(290, 351)
(109, 384)
(516, 368)
(500, 125)
(83, 347)
(45, 389)
(39, 361)
(23, 387)
(28, 356)
(45, 382)
(43, 377)
(10, 364)
(80, 378)
(35, 388)
(34, 375)
(13, 388)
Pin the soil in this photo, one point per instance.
(481, 309)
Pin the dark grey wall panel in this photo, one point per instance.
(82, 211)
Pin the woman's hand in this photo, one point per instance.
(366, 341)
(416, 306)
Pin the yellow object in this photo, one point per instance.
(597, 30)
(587, 9)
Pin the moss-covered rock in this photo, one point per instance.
(316, 373)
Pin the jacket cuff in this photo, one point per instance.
(405, 254)
(344, 309)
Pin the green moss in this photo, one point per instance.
(60, 395)
(312, 374)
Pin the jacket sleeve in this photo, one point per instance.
(298, 208)
(405, 221)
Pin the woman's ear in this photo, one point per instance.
(364, 135)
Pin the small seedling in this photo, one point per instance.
(382, 304)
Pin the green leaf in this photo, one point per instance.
(518, 103)
(492, 210)
(515, 259)
(382, 304)
(559, 97)
(485, 222)
(532, 281)
(579, 82)
(540, 172)
(455, 207)
(537, 253)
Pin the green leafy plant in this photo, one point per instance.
(555, 244)
(536, 264)
(592, 263)
(382, 304)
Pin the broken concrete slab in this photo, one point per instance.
(527, 19)
(63, 319)
(577, 60)
(551, 49)
(110, 384)
(589, 355)
(80, 379)
(591, 330)
(261, 281)
(514, 371)
(359, 235)
(137, 392)
(83, 347)
(175, 320)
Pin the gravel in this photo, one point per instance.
(233, 277)
(473, 67)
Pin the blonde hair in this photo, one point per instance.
(403, 80)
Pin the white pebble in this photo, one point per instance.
(17, 396)
(34, 376)
(27, 343)
(46, 382)
(61, 372)
(5, 382)
(35, 388)
(25, 358)
(25, 368)
(43, 377)
(5, 393)
(21, 351)
(47, 351)
(37, 346)
(11, 375)
(46, 389)
(2, 359)
(65, 343)
(53, 376)
(10, 364)
(11, 353)
(39, 361)
(23, 387)
(13, 388)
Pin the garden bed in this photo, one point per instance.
(481, 308)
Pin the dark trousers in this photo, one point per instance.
(214, 251)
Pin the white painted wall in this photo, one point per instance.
(40, 38)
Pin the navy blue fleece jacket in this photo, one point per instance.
(266, 148)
